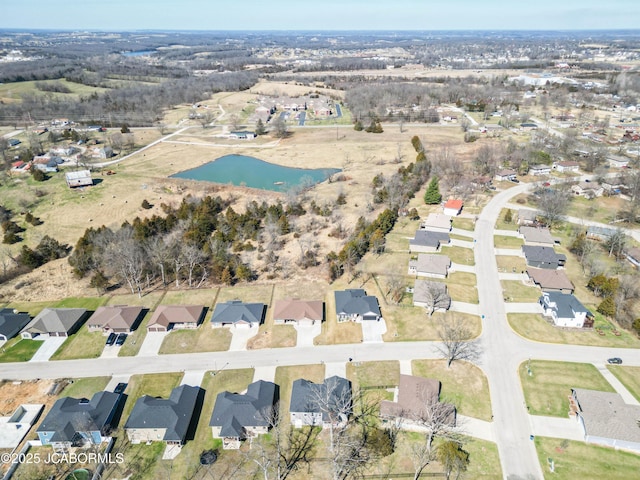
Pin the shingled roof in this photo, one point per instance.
(114, 317)
(355, 301)
(11, 323)
(55, 320)
(335, 391)
(605, 415)
(166, 315)
(294, 309)
(235, 311)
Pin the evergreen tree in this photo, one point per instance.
(508, 216)
(260, 128)
(358, 126)
(432, 196)
(607, 307)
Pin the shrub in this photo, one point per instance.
(146, 205)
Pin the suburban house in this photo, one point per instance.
(15, 427)
(633, 255)
(567, 166)
(354, 305)
(537, 236)
(539, 169)
(175, 317)
(78, 421)
(543, 257)
(527, 217)
(565, 310)
(426, 241)
(80, 178)
(235, 313)
(505, 175)
(429, 265)
(606, 419)
(243, 135)
(301, 312)
(115, 319)
(55, 322)
(453, 207)
(432, 295)
(617, 161)
(588, 190)
(414, 399)
(11, 322)
(156, 419)
(437, 222)
(600, 233)
(327, 403)
(550, 280)
(237, 417)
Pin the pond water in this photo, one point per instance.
(250, 172)
(138, 53)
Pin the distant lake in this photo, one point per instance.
(246, 171)
(138, 53)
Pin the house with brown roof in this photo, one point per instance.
(301, 312)
(115, 319)
(453, 207)
(537, 236)
(175, 317)
(413, 399)
(550, 280)
(430, 265)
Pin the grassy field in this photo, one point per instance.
(510, 264)
(202, 339)
(602, 209)
(505, 241)
(82, 344)
(85, 387)
(247, 293)
(462, 287)
(88, 303)
(516, 291)
(629, 377)
(373, 374)
(32, 308)
(580, 460)
(149, 300)
(273, 336)
(502, 225)
(154, 385)
(535, 327)
(204, 296)
(463, 384)
(408, 324)
(547, 390)
(464, 223)
(19, 350)
(461, 255)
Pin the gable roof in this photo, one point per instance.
(233, 411)
(11, 323)
(173, 414)
(428, 238)
(355, 301)
(547, 278)
(437, 220)
(537, 235)
(453, 204)
(566, 304)
(506, 173)
(166, 315)
(430, 263)
(55, 320)
(294, 309)
(235, 311)
(424, 290)
(606, 415)
(331, 397)
(527, 215)
(70, 415)
(115, 317)
(413, 394)
(535, 253)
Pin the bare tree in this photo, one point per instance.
(616, 243)
(205, 119)
(456, 343)
(124, 256)
(193, 258)
(553, 204)
(159, 253)
(279, 128)
(434, 295)
(396, 288)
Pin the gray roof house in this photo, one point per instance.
(355, 305)
(543, 257)
(326, 403)
(633, 255)
(55, 322)
(431, 295)
(600, 233)
(236, 416)
(77, 421)
(565, 310)
(163, 420)
(527, 217)
(426, 241)
(429, 265)
(606, 420)
(81, 178)
(238, 314)
(11, 323)
(537, 236)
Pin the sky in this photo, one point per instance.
(126, 15)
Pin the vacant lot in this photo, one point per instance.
(547, 389)
(504, 241)
(374, 374)
(202, 339)
(518, 292)
(408, 324)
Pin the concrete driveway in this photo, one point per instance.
(335, 369)
(306, 334)
(193, 378)
(372, 330)
(110, 351)
(512, 252)
(266, 373)
(470, 308)
(115, 380)
(47, 349)
(240, 337)
(458, 267)
(151, 345)
(556, 427)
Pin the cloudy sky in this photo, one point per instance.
(320, 14)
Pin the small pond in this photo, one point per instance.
(250, 172)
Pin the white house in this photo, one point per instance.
(565, 309)
(569, 166)
(540, 169)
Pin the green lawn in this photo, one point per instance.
(464, 223)
(202, 339)
(203, 297)
(502, 225)
(82, 344)
(150, 300)
(505, 241)
(463, 384)
(154, 385)
(246, 293)
(373, 374)
(136, 338)
(461, 255)
(516, 291)
(85, 387)
(535, 327)
(19, 349)
(580, 460)
(88, 303)
(629, 377)
(408, 324)
(547, 389)
(32, 308)
(462, 287)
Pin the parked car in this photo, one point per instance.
(111, 339)
(121, 338)
(120, 388)
(614, 360)
(515, 180)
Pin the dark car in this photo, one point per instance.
(111, 339)
(121, 338)
(614, 360)
(515, 180)
(120, 388)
